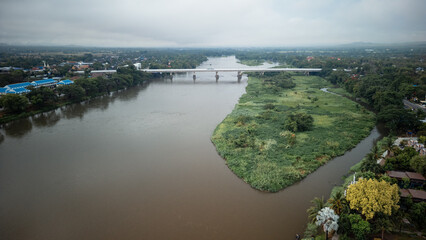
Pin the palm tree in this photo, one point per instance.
(318, 204)
(375, 152)
(389, 146)
(370, 164)
(338, 202)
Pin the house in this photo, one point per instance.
(416, 179)
(381, 161)
(416, 195)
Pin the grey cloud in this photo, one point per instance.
(197, 23)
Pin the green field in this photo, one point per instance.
(256, 146)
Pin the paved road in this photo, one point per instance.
(413, 105)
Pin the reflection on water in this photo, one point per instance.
(19, 128)
(47, 119)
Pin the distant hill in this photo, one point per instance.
(371, 44)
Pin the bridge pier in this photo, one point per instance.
(194, 76)
(171, 76)
(239, 76)
(217, 76)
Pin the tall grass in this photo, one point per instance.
(256, 146)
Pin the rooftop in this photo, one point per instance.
(44, 81)
(18, 85)
(410, 175)
(419, 194)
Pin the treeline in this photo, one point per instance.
(275, 82)
(43, 98)
(384, 92)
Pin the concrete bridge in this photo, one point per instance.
(239, 71)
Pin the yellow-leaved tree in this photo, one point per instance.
(371, 196)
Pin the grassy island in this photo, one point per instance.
(261, 146)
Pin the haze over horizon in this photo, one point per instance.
(220, 23)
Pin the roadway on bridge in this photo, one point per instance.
(169, 70)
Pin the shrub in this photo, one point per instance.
(360, 227)
(299, 122)
(417, 214)
(311, 230)
(418, 164)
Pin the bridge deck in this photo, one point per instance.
(233, 70)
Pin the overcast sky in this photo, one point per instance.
(213, 23)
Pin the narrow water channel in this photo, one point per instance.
(140, 165)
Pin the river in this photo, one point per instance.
(139, 164)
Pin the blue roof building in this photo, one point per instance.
(20, 90)
(65, 82)
(3, 90)
(7, 90)
(18, 85)
(44, 82)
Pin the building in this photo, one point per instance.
(44, 83)
(416, 195)
(138, 66)
(19, 88)
(416, 179)
(65, 82)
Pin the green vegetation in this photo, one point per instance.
(382, 213)
(259, 147)
(45, 99)
(252, 62)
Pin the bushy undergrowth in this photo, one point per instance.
(258, 147)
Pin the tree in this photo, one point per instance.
(42, 97)
(72, 92)
(359, 227)
(371, 196)
(402, 160)
(328, 219)
(370, 164)
(397, 118)
(313, 210)
(338, 202)
(311, 230)
(14, 102)
(388, 145)
(299, 122)
(382, 223)
(97, 66)
(418, 163)
(417, 214)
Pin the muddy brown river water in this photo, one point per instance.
(139, 164)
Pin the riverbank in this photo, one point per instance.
(257, 148)
(46, 99)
